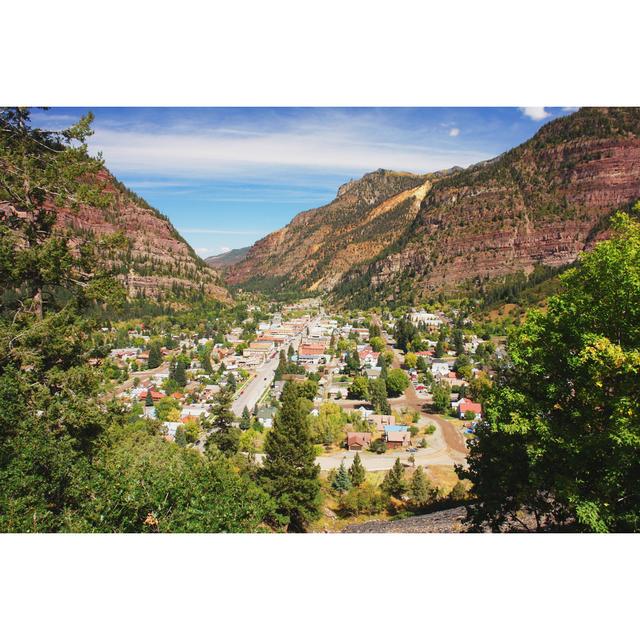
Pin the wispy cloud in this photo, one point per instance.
(535, 113)
(329, 143)
(454, 132)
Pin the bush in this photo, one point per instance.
(431, 429)
(378, 446)
(364, 499)
(413, 430)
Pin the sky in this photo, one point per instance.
(228, 176)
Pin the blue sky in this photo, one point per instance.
(228, 176)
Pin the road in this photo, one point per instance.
(263, 378)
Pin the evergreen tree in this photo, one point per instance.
(378, 397)
(394, 483)
(223, 432)
(148, 401)
(384, 367)
(341, 482)
(231, 383)
(356, 471)
(420, 491)
(439, 351)
(289, 473)
(290, 351)
(155, 357)
(178, 373)
(245, 421)
(181, 437)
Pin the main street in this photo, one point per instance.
(255, 388)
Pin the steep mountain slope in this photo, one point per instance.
(157, 262)
(538, 204)
(319, 245)
(227, 259)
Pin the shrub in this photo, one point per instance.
(378, 446)
(365, 499)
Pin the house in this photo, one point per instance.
(278, 387)
(265, 416)
(368, 357)
(381, 420)
(170, 429)
(397, 438)
(428, 319)
(364, 412)
(373, 373)
(440, 367)
(311, 352)
(155, 395)
(357, 441)
(194, 410)
(465, 406)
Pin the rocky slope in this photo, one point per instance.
(538, 204)
(227, 259)
(320, 245)
(158, 262)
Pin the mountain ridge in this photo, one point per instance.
(536, 204)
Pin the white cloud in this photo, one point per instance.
(203, 252)
(535, 113)
(454, 132)
(570, 109)
(338, 144)
(224, 249)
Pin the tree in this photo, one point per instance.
(384, 367)
(397, 381)
(394, 483)
(411, 360)
(245, 420)
(352, 363)
(155, 357)
(289, 473)
(177, 372)
(459, 492)
(562, 431)
(377, 344)
(181, 438)
(378, 397)
(421, 364)
(341, 482)
(356, 471)
(165, 406)
(420, 491)
(290, 351)
(441, 397)
(148, 401)
(328, 426)
(439, 350)
(458, 341)
(405, 332)
(479, 387)
(359, 388)
(231, 382)
(222, 430)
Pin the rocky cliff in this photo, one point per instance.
(158, 261)
(538, 204)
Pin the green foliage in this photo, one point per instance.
(362, 499)
(164, 406)
(441, 394)
(155, 357)
(245, 420)
(378, 446)
(222, 431)
(397, 381)
(562, 431)
(394, 482)
(289, 473)
(356, 471)
(328, 427)
(421, 492)
(377, 343)
(341, 482)
(378, 396)
(359, 388)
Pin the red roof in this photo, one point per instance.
(356, 437)
(465, 406)
(311, 350)
(156, 395)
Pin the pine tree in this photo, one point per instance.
(223, 432)
(178, 373)
(384, 367)
(289, 473)
(181, 437)
(341, 482)
(378, 397)
(393, 483)
(245, 421)
(231, 383)
(148, 401)
(439, 352)
(356, 471)
(420, 491)
(290, 351)
(155, 357)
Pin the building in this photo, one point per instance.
(428, 319)
(381, 421)
(357, 441)
(465, 406)
(397, 438)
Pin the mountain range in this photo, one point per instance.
(400, 237)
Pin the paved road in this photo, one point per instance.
(256, 386)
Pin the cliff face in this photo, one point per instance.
(540, 203)
(320, 245)
(158, 262)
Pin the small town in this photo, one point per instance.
(384, 390)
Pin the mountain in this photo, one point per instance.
(318, 246)
(227, 259)
(537, 205)
(158, 262)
